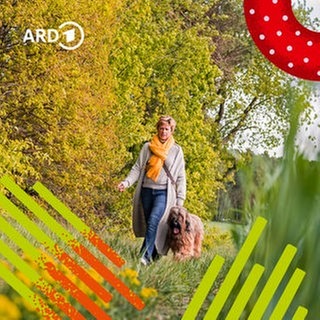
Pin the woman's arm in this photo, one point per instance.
(136, 170)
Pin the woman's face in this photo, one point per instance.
(164, 132)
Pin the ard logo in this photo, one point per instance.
(69, 35)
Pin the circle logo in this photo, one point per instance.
(72, 35)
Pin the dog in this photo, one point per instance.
(185, 234)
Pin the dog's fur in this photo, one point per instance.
(185, 234)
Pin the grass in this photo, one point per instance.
(287, 194)
(174, 281)
(166, 286)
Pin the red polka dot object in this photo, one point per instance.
(282, 38)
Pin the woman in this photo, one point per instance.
(160, 173)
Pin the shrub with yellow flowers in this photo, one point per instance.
(8, 309)
(14, 307)
(130, 276)
(147, 293)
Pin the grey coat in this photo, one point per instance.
(175, 195)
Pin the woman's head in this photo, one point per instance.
(165, 127)
(167, 120)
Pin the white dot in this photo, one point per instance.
(318, 73)
(289, 48)
(306, 60)
(252, 11)
(279, 33)
(272, 51)
(298, 33)
(290, 65)
(274, 1)
(309, 43)
(266, 18)
(285, 18)
(262, 36)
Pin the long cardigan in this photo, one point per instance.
(175, 194)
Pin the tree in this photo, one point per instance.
(57, 105)
(76, 120)
(163, 67)
(254, 107)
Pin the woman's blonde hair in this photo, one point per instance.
(167, 120)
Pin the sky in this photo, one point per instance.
(308, 138)
(311, 146)
(315, 4)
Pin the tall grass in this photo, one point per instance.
(174, 281)
(166, 286)
(287, 194)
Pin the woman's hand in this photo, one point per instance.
(121, 186)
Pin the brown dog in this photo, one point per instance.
(185, 234)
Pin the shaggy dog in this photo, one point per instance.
(185, 234)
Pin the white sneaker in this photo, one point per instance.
(144, 261)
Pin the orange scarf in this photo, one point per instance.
(159, 154)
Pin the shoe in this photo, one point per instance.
(144, 261)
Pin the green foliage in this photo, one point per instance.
(253, 109)
(77, 120)
(164, 67)
(286, 193)
(57, 105)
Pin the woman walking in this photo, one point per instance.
(160, 173)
